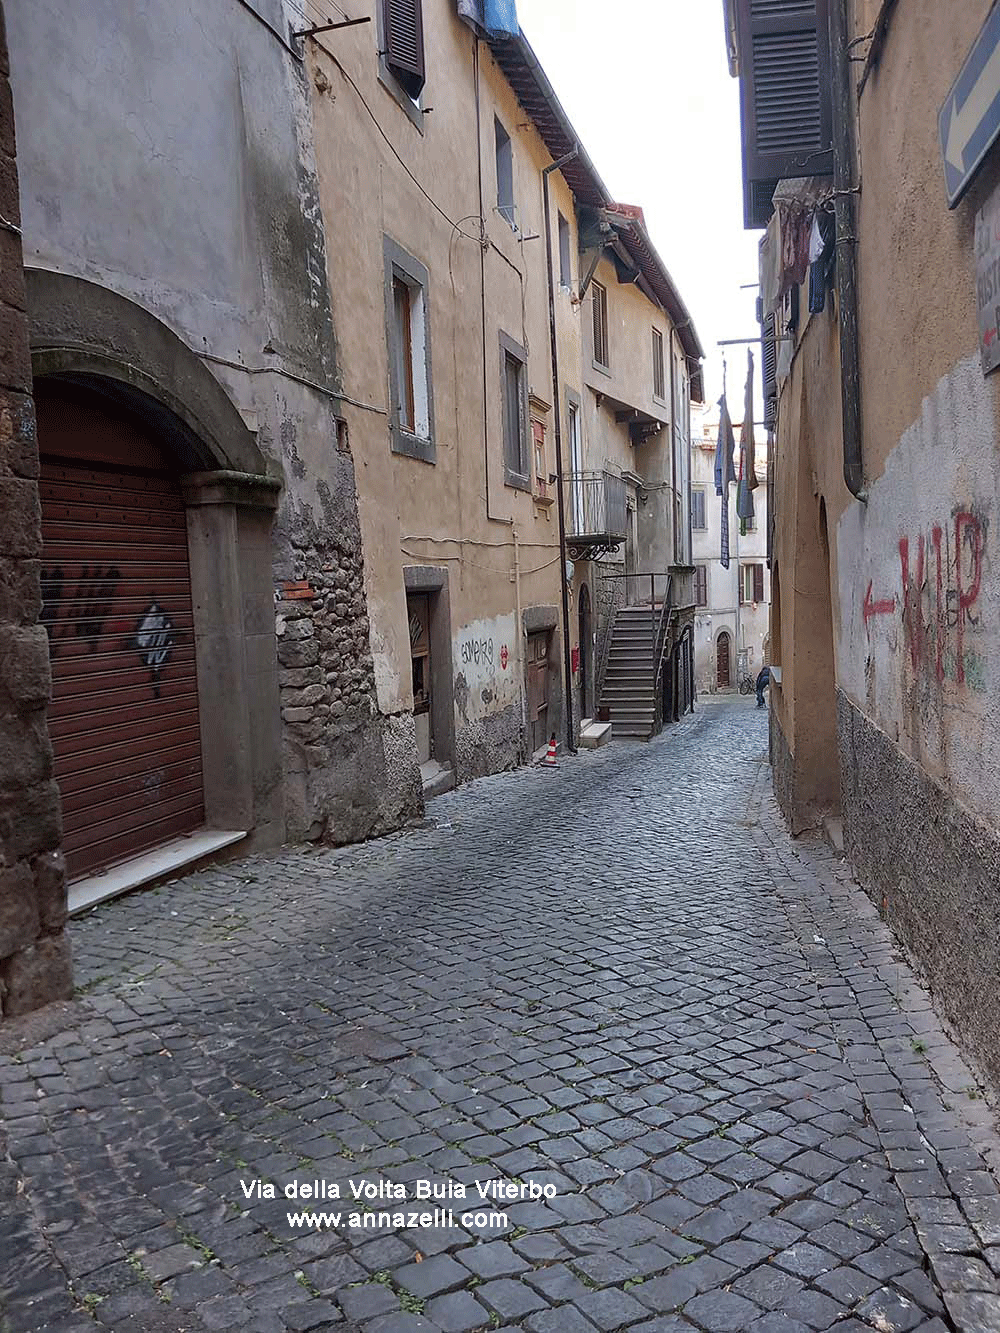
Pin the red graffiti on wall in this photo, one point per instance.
(941, 582)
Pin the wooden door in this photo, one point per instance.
(723, 675)
(538, 689)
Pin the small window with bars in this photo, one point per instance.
(600, 305)
(659, 377)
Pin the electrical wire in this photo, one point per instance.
(392, 147)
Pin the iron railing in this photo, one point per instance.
(663, 635)
(595, 507)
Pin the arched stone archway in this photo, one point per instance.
(121, 365)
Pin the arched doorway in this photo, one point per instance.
(586, 654)
(724, 660)
(117, 607)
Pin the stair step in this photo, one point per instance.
(594, 734)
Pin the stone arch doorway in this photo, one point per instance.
(586, 632)
(129, 412)
(117, 608)
(724, 660)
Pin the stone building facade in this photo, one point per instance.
(447, 178)
(884, 625)
(34, 949)
(202, 560)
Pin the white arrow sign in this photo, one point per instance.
(967, 119)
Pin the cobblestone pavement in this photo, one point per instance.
(621, 978)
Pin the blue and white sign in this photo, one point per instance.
(969, 122)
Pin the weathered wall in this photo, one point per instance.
(34, 950)
(176, 169)
(911, 577)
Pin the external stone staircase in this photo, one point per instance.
(629, 689)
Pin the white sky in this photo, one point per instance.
(647, 87)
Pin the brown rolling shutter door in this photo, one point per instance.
(786, 96)
(403, 24)
(116, 593)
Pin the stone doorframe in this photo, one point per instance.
(83, 334)
(433, 580)
(535, 620)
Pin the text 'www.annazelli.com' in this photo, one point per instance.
(395, 1221)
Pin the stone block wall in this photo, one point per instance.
(932, 869)
(343, 759)
(34, 950)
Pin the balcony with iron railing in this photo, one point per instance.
(595, 513)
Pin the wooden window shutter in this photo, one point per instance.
(785, 87)
(403, 23)
(758, 583)
(769, 365)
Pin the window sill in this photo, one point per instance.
(604, 370)
(517, 483)
(411, 446)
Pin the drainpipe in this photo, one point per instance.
(844, 162)
(522, 663)
(557, 409)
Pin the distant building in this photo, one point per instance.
(732, 606)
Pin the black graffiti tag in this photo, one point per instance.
(82, 612)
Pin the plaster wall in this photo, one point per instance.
(457, 509)
(910, 577)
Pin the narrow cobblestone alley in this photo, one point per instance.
(621, 978)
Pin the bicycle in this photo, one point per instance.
(747, 684)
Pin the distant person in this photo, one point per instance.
(763, 683)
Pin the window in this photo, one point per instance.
(698, 508)
(541, 469)
(505, 174)
(751, 583)
(411, 415)
(402, 337)
(659, 379)
(515, 414)
(403, 35)
(565, 255)
(600, 303)
(701, 585)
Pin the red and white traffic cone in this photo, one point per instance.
(550, 760)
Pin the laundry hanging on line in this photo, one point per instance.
(725, 472)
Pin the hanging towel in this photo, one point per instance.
(501, 18)
(725, 472)
(822, 259)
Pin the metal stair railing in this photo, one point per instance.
(663, 634)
